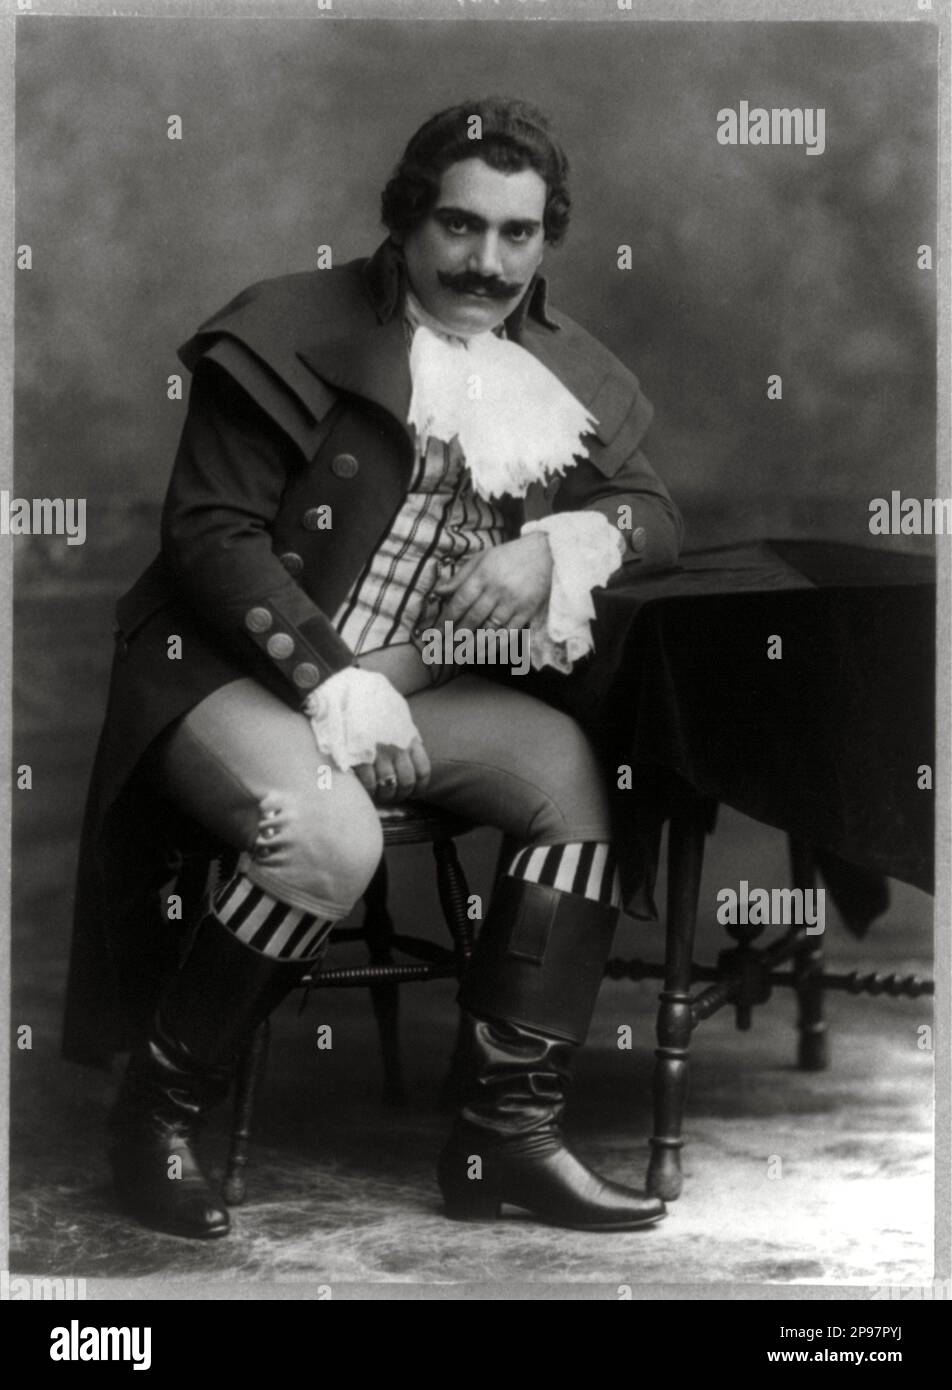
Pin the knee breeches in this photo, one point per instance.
(242, 763)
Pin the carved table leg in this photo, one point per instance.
(251, 1067)
(685, 860)
(813, 1053)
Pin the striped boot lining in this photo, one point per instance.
(586, 868)
(268, 925)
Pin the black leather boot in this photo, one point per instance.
(528, 999)
(223, 991)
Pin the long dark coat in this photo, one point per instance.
(299, 401)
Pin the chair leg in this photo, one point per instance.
(385, 994)
(813, 1051)
(686, 836)
(251, 1069)
(454, 899)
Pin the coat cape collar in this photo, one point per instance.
(296, 342)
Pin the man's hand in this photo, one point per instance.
(508, 584)
(396, 773)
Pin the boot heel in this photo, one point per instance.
(472, 1203)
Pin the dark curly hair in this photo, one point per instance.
(514, 136)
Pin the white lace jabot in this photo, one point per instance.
(515, 421)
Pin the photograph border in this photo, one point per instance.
(16, 12)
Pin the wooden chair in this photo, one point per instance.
(409, 824)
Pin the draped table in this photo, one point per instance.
(793, 681)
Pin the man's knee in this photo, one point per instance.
(572, 754)
(573, 798)
(327, 849)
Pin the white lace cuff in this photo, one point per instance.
(352, 711)
(586, 550)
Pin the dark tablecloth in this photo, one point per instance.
(825, 743)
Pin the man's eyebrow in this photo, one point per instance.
(443, 211)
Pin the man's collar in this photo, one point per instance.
(385, 276)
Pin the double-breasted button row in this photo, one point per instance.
(293, 563)
(344, 466)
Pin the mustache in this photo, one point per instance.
(467, 283)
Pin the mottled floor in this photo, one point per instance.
(342, 1190)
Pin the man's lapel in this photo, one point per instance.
(370, 360)
(368, 356)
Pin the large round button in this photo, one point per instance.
(280, 646)
(638, 540)
(344, 466)
(306, 675)
(258, 620)
(311, 520)
(292, 562)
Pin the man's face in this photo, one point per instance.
(471, 259)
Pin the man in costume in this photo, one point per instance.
(369, 451)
